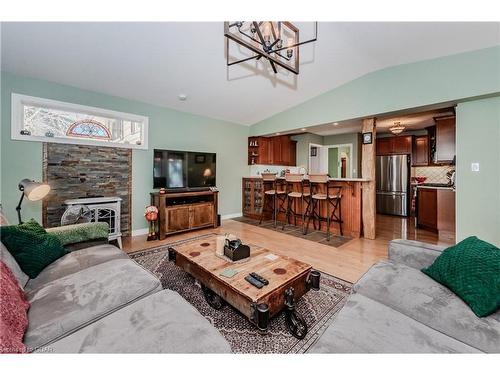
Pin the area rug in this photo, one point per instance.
(292, 230)
(317, 307)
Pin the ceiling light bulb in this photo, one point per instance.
(182, 97)
(303, 129)
(278, 133)
(335, 123)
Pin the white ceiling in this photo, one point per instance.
(155, 62)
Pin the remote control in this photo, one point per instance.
(260, 278)
(256, 283)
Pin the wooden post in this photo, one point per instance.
(368, 156)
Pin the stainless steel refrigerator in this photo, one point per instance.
(393, 183)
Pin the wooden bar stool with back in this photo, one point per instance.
(274, 198)
(324, 190)
(295, 193)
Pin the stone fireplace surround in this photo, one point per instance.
(76, 171)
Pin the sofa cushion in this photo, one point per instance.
(74, 262)
(31, 246)
(471, 269)
(161, 323)
(366, 326)
(416, 295)
(413, 254)
(13, 312)
(8, 259)
(65, 305)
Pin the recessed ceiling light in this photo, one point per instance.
(335, 123)
(182, 97)
(303, 129)
(278, 133)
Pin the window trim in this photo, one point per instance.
(17, 121)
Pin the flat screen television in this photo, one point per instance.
(183, 169)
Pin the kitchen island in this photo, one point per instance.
(436, 210)
(351, 203)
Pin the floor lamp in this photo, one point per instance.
(33, 190)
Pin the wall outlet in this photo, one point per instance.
(474, 167)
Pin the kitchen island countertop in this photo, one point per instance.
(331, 179)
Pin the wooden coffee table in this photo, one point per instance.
(289, 279)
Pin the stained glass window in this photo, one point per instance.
(38, 119)
(88, 129)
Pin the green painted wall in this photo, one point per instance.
(440, 80)
(303, 141)
(347, 151)
(354, 139)
(478, 193)
(167, 129)
(333, 162)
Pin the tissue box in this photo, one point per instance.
(238, 253)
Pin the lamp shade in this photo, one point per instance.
(33, 190)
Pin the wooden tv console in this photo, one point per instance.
(185, 211)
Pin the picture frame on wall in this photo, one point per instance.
(314, 151)
(367, 138)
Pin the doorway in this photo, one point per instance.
(335, 160)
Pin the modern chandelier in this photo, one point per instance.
(276, 41)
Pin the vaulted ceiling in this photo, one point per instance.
(155, 62)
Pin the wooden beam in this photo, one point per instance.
(368, 156)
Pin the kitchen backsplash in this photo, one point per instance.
(433, 174)
(257, 169)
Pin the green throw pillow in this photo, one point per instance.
(31, 226)
(471, 269)
(31, 246)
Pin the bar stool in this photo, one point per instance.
(275, 197)
(323, 190)
(295, 195)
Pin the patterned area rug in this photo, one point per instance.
(317, 307)
(292, 230)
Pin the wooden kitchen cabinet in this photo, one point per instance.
(265, 151)
(446, 212)
(279, 150)
(427, 209)
(394, 145)
(445, 139)
(420, 151)
(436, 211)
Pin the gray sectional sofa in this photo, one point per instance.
(97, 300)
(395, 308)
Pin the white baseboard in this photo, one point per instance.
(231, 216)
(138, 232)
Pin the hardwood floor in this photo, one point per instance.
(349, 261)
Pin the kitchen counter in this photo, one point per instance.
(351, 202)
(435, 187)
(330, 179)
(436, 210)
